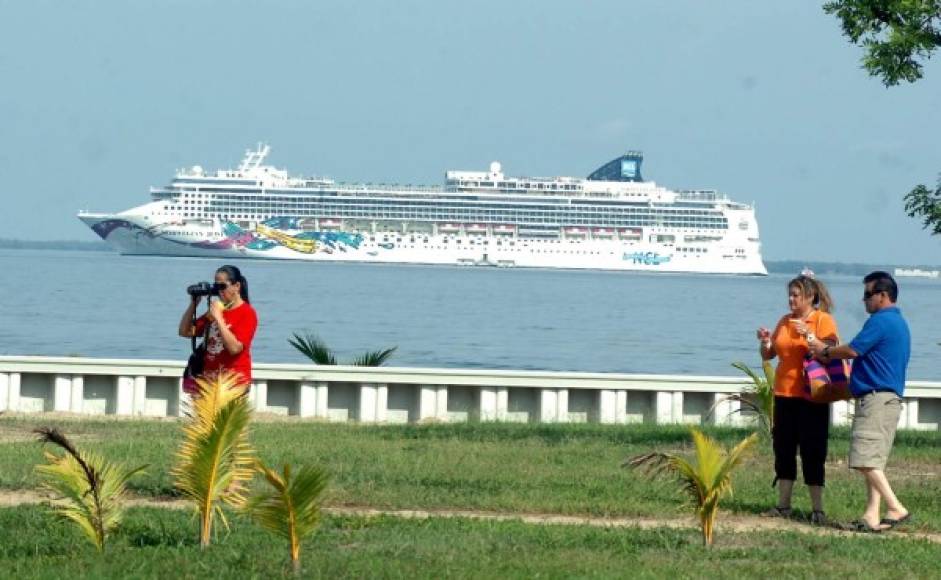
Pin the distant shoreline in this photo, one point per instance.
(95, 245)
(774, 266)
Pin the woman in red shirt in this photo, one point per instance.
(232, 323)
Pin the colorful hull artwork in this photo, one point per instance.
(275, 238)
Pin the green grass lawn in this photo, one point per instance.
(155, 543)
(567, 469)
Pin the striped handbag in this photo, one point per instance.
(826, 383)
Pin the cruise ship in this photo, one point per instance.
(611, 220)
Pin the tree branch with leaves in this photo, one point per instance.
(897, 35)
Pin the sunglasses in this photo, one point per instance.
(867, 294)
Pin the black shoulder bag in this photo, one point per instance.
(194, 366)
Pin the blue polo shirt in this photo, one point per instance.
(884, 346)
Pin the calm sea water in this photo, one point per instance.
(104, 305)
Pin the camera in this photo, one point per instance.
(203, 289)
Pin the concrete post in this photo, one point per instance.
(909, 419)
(307, 399)
(323, 409)
(736, 418)
(620, 408)
(4, 391)
(382, 403)
(669, 407)
(488, 403)
(840, 412)
(14, 395)
(607, 406)
(140, 396)
(62, 393)
(553, 405)
(503, 403)
(77, 396)
(124, 396)
(260, 400)
(433, 403)
(373, 402)
(182, 399)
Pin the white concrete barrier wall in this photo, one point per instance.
(152, 388)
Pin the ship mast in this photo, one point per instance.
(253, 159)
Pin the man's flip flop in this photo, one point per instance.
(863, 527)
(891, 523)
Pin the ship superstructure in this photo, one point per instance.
(612, 220)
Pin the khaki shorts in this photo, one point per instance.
(874, 422)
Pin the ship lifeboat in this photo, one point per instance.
(630, 233)
(449, 227)
(602, 232)
(329, 223)
(575, 231)
(504, 229)
(475, 228)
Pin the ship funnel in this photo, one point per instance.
(624, 168)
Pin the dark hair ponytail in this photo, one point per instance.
(235, 275)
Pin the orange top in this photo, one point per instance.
(791, 348)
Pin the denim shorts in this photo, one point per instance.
(875, 420)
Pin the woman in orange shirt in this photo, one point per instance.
(799, 424)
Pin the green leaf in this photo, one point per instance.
(313, 348)
(374, 358)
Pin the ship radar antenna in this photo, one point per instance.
(254, 159)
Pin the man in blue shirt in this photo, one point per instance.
(881, 351)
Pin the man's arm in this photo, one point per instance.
(841, 351)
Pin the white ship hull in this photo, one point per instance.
(207, 239)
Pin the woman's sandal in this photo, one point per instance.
(889, 523)
(777, 512)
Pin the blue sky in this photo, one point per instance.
(763, 101)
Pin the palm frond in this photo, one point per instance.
(92, 488)
(732, 460)
(375, 358)
(313, 348)
(214, 392)
(215, 459)
(769, 373)
(291, 507)
(748, 371)
(757, 398)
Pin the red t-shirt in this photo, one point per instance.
(242, 321)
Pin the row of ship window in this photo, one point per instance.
(671, 223)
(333, 202)
(438, 205)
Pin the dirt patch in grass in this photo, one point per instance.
(742, 526)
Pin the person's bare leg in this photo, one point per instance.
(877, 480)
(873, 500)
